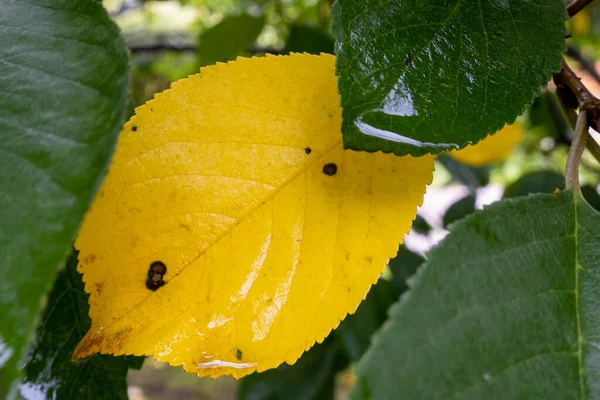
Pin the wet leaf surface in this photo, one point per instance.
(436, 75)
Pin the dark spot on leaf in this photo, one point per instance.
(307, 150)
(89, 259)
(99, 287)
(134, 128)
(330, 169)
(155, 275)
(238, 354)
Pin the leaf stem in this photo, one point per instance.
(576, 151)
(577, 5)
(586, 63)
(567, 78)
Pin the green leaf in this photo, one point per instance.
(63, 85)
(535, 182)
(50, 373)
(311, 377)
(472, 177)
(591, 195)
(505, 308)
(546, 118)
(306, 39)
(229, 38)
(420, 225)
(434, 75)
(459, 210)
(403, 266)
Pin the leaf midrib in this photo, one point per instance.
(259, 204)
(578, 268)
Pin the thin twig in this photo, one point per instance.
(152, 48)
(567, 78)
(586, 64)
(577, 5)
(159, 47)
(575, 152)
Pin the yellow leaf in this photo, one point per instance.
(236, 180)
(580, 24)
(492, 149)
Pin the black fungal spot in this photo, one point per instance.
(330, 169)
(134, 128)
(307, 150)
(238, 354)
(155, 275)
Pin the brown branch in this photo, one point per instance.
(159, 47)
(586, 63)
(566, 78)
(577, 5)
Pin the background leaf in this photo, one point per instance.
(434, 75)
(459, 210)
(491, 149)
(535, 182)
(505, 308)
(230, 37)
(49, 372)
(308, 39)
(472, 177)
(63, 70)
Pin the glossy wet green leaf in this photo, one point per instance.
(49, 372)
(63, 78)
(230, 38)
(308, 39)
(505, 308)
(459, 210)
(425, 76)
(535, 182)
(311, 377)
